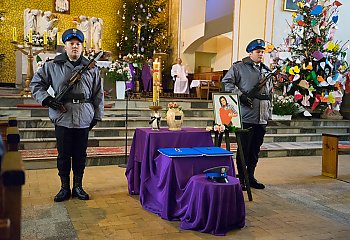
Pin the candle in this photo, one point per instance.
(100, 44)
(14, 34)
(45, 37)
(155, 80)
(84, 43)
(30, 35)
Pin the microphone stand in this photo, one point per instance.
(126, 126)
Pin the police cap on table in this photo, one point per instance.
(255, 44)
(217, 174)
(72, 33)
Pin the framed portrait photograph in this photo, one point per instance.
(290, 5)
(226, 109)
(61, 6)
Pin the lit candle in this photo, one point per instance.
(45, 37)
(156, 66)
(84, 43)
(30, 35)
(100, 44)
(14, 34)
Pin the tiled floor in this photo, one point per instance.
(298, 203)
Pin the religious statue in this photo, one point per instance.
(84, 26)
(62, 6)
(139, 25)
(46, 24)
(96, 32)
(31, 19)
(39, 22)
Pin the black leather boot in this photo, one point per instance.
(64, 193)
(78, 190)
(253, 182)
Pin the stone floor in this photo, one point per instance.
(297, 203)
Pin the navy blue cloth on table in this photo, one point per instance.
(180, 152)
(213, 151)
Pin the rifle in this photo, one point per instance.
(74, 79)
(254, 93)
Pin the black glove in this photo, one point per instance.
(52, 103)
(263, 96)
(93, 123)
(246, 100)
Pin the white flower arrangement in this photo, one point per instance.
(284, 105)
(119, 71)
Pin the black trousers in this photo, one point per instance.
(251, 143)
(71, 147)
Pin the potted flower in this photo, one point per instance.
(283, 107)
(120, 73)
(174, 116)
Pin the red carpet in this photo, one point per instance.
(92, 151)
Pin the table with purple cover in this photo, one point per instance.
(165, 184)
(144, 149)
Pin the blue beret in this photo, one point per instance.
(255, 44)
(72, 33)
(217, 174)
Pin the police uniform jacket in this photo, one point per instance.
(241, 78)
(55, 74)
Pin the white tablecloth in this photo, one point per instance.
(196, 83)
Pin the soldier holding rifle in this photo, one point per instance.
(78, 106)
(250, 79)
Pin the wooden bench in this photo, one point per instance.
(330, 152)
(11, 180)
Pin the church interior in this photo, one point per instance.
(165, 160)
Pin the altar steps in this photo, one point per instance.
(299, 137)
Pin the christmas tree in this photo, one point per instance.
(144, 27)
(313, 64)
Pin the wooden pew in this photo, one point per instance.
(330, 152)
(11, 180)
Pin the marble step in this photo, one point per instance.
(109, 112)
(49, 141)
(44, 122)
(117, 156)
(13, 101)
(98, 131)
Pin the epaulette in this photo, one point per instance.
(236, 62)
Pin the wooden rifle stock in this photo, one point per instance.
(261, 83)
(74, 79)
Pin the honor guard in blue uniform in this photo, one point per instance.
(255, 103)
(84, 106)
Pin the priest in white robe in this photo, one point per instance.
(179, 74)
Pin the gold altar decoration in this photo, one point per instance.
(155, 116)
(27, 49)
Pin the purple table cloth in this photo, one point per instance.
(144, 149)
(214, 208)
(163, 191)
